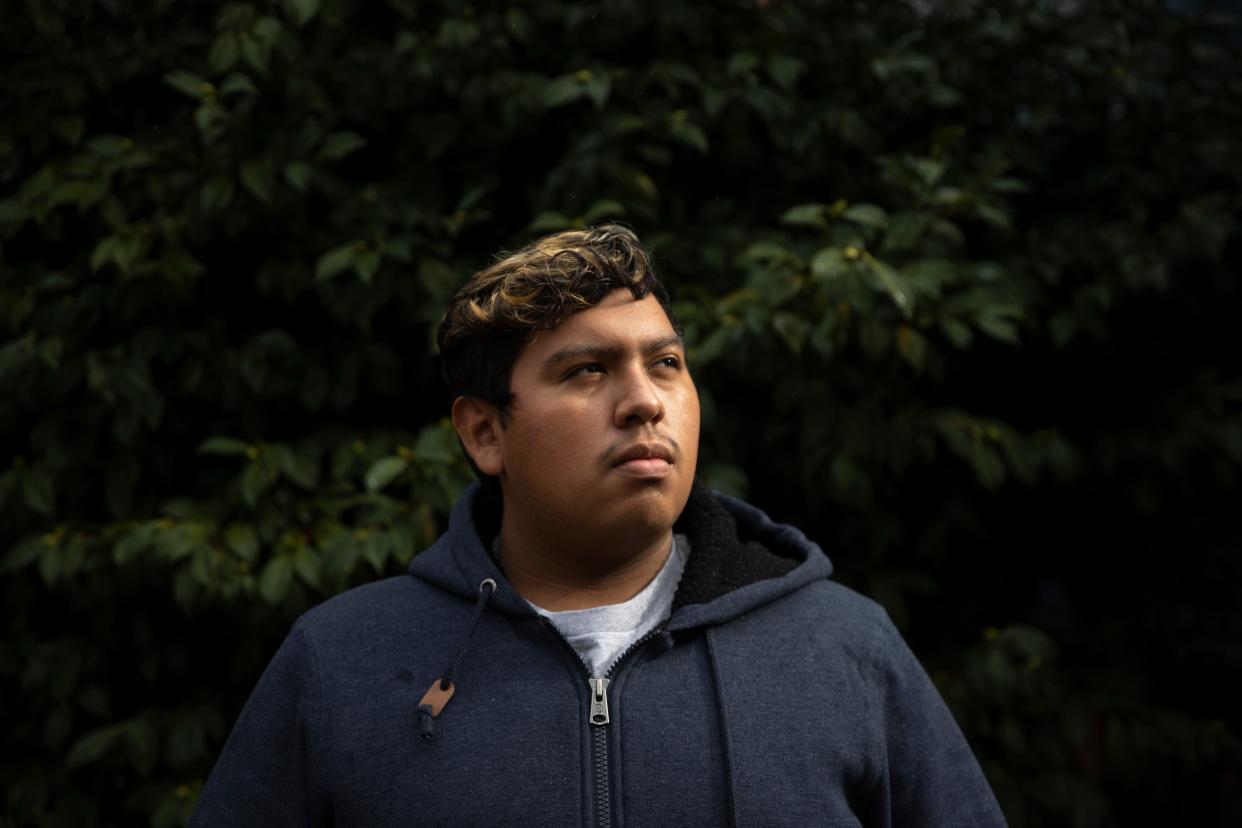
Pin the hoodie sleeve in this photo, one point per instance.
(928, 776)
(266, 774)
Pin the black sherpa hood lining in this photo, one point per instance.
(721, 559)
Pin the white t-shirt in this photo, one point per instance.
(601, 634)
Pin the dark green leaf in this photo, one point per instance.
(298, 175)
(335, 261)
(809, 215)
(605, 208)
(691, 135)
(254, 482)
(437, 446)
(241, 539)
(23, 554)
(91, 747)
(301, 11)
(217, 193)
(894, 285)
(141, 747)
(867, 215)
(255, 178)
(109, 144)
(792, 329)
(307, 565)
(550, 220)
(340, 144)
(384, 471)
(224, 53)
(188, 84)
(38, 488)
(227, 446)
(276, 578)
(563, 90)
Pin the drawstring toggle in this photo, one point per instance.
(441, 690)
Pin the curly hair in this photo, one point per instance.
(502, 307)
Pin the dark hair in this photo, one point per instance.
(502, 307)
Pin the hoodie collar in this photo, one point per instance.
(739, 558)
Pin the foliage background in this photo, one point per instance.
(957, 279)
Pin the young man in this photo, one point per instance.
(595, 640)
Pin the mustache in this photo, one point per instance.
(643, 447)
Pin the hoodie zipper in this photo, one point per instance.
(599, 718)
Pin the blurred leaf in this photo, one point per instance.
(691, 135)
(276, 579)
(38, 490)
(893, 285)
(298, 175)
(549, 220)
(301, 11)
(256, 180)
(567, 88)
(810, 215)
(133, 543)
(792, 330)
(188, 84)
(307, 567)
(605, 208)
(141, 746)
(91, 747)
(785, 70)
(867, 215)
(384, 471)
(957, 333)
(109, 144)
(254, 482)
(335, 261)
(217, 193)
(436, 445)
(224, 446)
(912, 346)
(299, 468)
(242, 541)
(998, 327)
(726, 478)
(23, 554)
(340, 144)
(224, 53)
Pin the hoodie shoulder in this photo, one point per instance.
(378, 609)
(851, 620)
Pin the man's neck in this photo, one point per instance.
(557, 578)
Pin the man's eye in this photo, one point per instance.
(668, 362)
(589, 368)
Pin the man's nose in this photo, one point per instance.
(639, 402)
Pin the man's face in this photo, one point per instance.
(602, 438)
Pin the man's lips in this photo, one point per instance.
(644, 460)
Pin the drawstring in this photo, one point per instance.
(486, 588)
(442, 689)
(724, 726)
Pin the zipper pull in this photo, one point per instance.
(599, 701)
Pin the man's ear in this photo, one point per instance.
(478, 427)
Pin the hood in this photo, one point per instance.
(739, 558)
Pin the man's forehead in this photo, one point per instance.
(619, 321)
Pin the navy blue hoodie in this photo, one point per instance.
(771, 696)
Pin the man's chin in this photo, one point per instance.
(651, 510)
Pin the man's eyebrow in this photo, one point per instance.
(604, 352)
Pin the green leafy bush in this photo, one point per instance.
(956, 280)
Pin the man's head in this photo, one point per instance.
(571, 386)
(503, 307)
